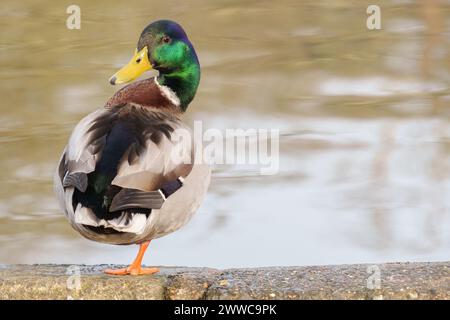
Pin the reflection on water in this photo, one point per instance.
(364, 117)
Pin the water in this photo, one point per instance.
(363, 115)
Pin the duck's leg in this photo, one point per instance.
(135, 268)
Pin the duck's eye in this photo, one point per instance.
(165, 39)
(138, 60)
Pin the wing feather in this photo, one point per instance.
(147, 164)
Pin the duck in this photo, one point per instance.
(129, 173)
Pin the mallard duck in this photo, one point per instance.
(117, 180)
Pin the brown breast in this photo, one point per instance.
(144, 92)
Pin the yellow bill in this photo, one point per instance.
(137, 66)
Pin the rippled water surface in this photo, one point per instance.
(363, 116)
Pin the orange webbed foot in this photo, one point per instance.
(131, 270)
(135, 268)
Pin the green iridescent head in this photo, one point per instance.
(164, 46)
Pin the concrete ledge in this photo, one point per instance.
(398, 281)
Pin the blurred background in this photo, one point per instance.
(363, 115)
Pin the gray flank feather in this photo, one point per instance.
(133, 198)
(78, 180)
